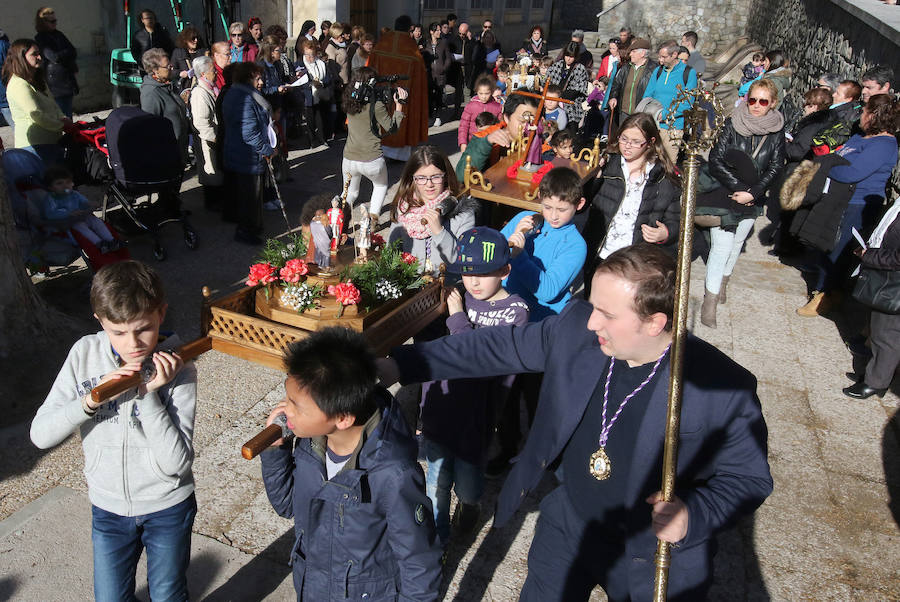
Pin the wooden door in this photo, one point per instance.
(365, 13)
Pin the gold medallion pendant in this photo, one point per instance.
(600, 466)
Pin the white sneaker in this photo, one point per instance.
(272, 205)
(437, 122)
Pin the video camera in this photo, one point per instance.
(373, 90)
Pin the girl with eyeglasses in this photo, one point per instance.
(745, 162)
(59, 59)
(425, 213)
(638, 198)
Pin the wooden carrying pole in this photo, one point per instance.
(110, 389)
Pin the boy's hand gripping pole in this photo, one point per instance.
(110, 389)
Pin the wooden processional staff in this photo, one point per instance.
(700, 132)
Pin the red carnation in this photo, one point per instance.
(408, 258)
(293, 269)
(261, 273)
(346, 294)
(377, 240)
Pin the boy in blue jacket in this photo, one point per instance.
(350, 479)
(546, 260)
(547, 255)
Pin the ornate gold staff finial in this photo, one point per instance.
(699, 135)
(346, 190)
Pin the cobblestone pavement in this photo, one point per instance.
(828, 532)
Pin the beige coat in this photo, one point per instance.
(203, 117)
(339, 56)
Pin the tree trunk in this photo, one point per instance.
(24, 317)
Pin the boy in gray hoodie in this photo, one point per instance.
(137, 446)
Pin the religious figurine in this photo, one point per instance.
(363, 236)
(533, 158)
(336, 222)
(320, 239)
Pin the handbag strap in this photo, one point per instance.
(759, 147)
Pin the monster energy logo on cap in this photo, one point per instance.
(487, 250)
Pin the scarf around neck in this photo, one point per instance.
(746, 124)
(411, 217)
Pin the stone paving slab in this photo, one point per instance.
(45, 554)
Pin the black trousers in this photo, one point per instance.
(509, 427)
(569, 556)
(885, 338)
(244, 199)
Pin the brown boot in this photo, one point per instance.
(817, 305)
(722, 290)
(708, 309)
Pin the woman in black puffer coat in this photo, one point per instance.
(59, 58)
(747, 159)
(638, 199)
(797, 148)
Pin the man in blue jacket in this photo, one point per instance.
(602, 413)
(663, 87)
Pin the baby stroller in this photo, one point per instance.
(46, 243)
(146, 160)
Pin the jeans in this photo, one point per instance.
(725, 248)
(444, 471)
(65, 104)
(834, 267)
(376, 171)
(119, 540)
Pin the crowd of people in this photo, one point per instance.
(519, 328)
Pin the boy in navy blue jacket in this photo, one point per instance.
(350, 479)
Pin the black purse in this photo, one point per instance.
(879, 289)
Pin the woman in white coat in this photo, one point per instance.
(203, 118)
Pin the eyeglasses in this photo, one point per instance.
(763, 102)
(435, 179)
(487, 27)
(237, 35)
(628, 143)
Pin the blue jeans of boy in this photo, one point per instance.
(119, 540)
(444, 470)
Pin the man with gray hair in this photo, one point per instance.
(627, 88)
(584, 55)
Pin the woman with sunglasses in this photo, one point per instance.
(425, 214)
(241, 51)
(59, 59)
(188, 46)
(746, 160)
(638, 199)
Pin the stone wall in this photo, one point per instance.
(821, 36)
(718, 22)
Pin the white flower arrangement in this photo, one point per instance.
(387, 290)
(525, 60)
(301, 297)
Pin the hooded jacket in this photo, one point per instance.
(138, 451)
(368, 533)
(245, 123)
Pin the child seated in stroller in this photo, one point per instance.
(65, 203)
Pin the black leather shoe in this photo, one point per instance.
(863, 391)
(854, 376)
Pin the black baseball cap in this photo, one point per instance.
(480, 251)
